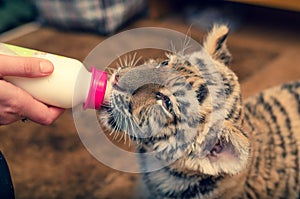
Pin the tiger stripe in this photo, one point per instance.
(289, 88)
(291, 138)
(268, 108)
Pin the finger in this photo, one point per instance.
(8, 119)
(41, 113)
(51, 116)
(21, 103)
(8, 110)
(16, 102)
(24, 66)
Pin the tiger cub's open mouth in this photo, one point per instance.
(222, 146)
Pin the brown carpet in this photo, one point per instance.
(51, 162)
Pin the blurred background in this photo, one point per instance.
(51, 162)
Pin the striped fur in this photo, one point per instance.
(188, 110)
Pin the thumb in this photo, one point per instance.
(24, 66)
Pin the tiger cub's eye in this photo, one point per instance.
(164, 63)
(166, 100)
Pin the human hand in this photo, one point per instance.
(15, 103)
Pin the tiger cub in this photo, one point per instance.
(188, 113)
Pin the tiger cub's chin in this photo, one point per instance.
(228, 155)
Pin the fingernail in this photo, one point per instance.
(46, 67)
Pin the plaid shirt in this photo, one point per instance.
(103, 16)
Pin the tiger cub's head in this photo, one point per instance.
(187, 109)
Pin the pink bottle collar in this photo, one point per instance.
(97, 90)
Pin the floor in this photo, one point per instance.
(51, 162)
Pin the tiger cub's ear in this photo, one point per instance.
(215, 44)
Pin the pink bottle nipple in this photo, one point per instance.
(97, 89)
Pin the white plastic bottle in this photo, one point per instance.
(58, 88)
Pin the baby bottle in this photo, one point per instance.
(58, 88)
